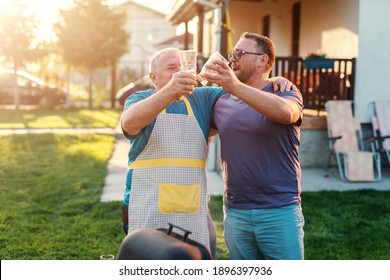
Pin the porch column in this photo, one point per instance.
(226, 34)
(186, 36)
(200, 28)
(224, 31)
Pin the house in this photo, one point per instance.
(352, 32)
(147, 28)
(177, 42)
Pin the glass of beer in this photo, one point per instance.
(215, 56)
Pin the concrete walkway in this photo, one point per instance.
(114, 186)
(317, 179)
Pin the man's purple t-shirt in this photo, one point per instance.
(260, 160)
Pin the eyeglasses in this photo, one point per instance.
(237, 54)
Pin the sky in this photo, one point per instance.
(46, 10)
(163, 6)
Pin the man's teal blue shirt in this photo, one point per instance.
(202, 101)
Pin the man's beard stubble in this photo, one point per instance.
(244, 75)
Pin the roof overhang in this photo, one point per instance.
(186, 10)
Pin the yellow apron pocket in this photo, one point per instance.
(179, 198)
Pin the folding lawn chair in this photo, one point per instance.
(346, 143)
(380, 117)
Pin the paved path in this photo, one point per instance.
(317, 179)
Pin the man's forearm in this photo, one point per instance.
(144, 112)
(273, 107)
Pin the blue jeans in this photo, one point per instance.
(264, 234)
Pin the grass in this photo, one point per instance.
(62, 118)
(350, 225)
(51, 186)
(215, 206)
(50, 207)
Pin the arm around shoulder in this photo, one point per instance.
(274, 107)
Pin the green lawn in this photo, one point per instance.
(50, 186)
(62, 118)
(350, 225)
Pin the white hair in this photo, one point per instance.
(156, 56)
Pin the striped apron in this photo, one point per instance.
(169, 178)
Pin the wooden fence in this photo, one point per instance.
(318, 82)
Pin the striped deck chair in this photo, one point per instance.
(380, 117)
(346, 143)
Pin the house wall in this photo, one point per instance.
(147, 28)
(330, 26)
(372, 66)
(245, 17)
(248, 17)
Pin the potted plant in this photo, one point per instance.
(317, 60)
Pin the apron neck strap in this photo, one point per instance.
(188, 107)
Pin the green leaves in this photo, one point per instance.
(91, 34)
(17, 35)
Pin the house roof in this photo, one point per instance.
(185, 10)
(130, 2)
(176, 40)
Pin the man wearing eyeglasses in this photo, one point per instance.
(259, 129)
(168, 128)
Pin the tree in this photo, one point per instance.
(17, 39)
(91, 35)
